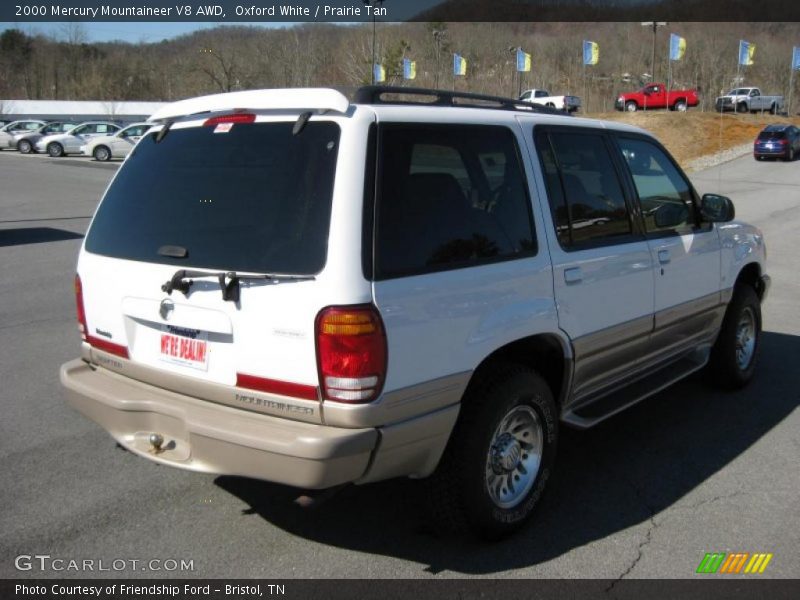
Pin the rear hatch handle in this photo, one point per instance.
(228, 281)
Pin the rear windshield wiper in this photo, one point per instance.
(228, 281)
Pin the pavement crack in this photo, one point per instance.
(716, 498)
(648, 535)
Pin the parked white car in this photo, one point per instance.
(285, 285)
(7, 132)
(25, 141)
(544, 98)
(70, 142)
(119, 145)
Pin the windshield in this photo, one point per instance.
(247, 197)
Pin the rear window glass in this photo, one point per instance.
(771, 135)
(255, 198)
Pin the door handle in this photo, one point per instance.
(573, 275)
(663, 256)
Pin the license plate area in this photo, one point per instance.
(184, 347)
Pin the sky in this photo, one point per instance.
(127, 32)
(155, 31)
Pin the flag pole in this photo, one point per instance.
(669, 68)
(791, 86)
(585, 95)
(738, 72)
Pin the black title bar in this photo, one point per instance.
(360, 11)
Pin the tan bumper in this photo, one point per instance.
(208, 437)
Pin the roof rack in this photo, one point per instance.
(373, 94)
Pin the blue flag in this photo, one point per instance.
(523, 61)
(746, 52)
(409, 69)
(591, 53)
(379, 73)
(677, 47)
(459, 65)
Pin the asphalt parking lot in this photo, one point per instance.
(646, 494)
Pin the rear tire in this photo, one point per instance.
(24, 147)
(102, 154)
(735, 353)
(499, 457)
(790, 155)
(55, 149)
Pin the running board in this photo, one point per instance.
(594, 411)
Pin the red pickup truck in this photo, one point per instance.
(654, 95)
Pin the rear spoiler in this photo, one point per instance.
(318, 100)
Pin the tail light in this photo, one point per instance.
(82, 326)
(351, 353)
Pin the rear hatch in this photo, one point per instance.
(771, 141)
(242, 205)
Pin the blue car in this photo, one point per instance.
(777, 141)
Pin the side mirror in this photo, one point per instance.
(717, 209)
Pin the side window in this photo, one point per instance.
(439, 158)
(541, 94)
(664, 194)
(137, 131)
(32, 126)
(449, 197)
(82, 129)
(525, 96)
(101, 128)
(585, 193)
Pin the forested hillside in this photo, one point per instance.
(228, 58)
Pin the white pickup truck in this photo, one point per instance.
(543, 97)
(749, 99)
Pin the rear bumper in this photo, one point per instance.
(213, 438)
(784, 152)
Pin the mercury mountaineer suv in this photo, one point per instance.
(285, 285)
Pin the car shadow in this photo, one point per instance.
(35, 235)
(609, 478)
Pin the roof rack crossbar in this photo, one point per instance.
(373, 94)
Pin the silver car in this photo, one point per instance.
(106, 147)
(25, 141)
(70, 142)
(7, 132)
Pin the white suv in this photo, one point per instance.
(285, 285)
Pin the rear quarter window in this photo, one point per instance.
(449, 196)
